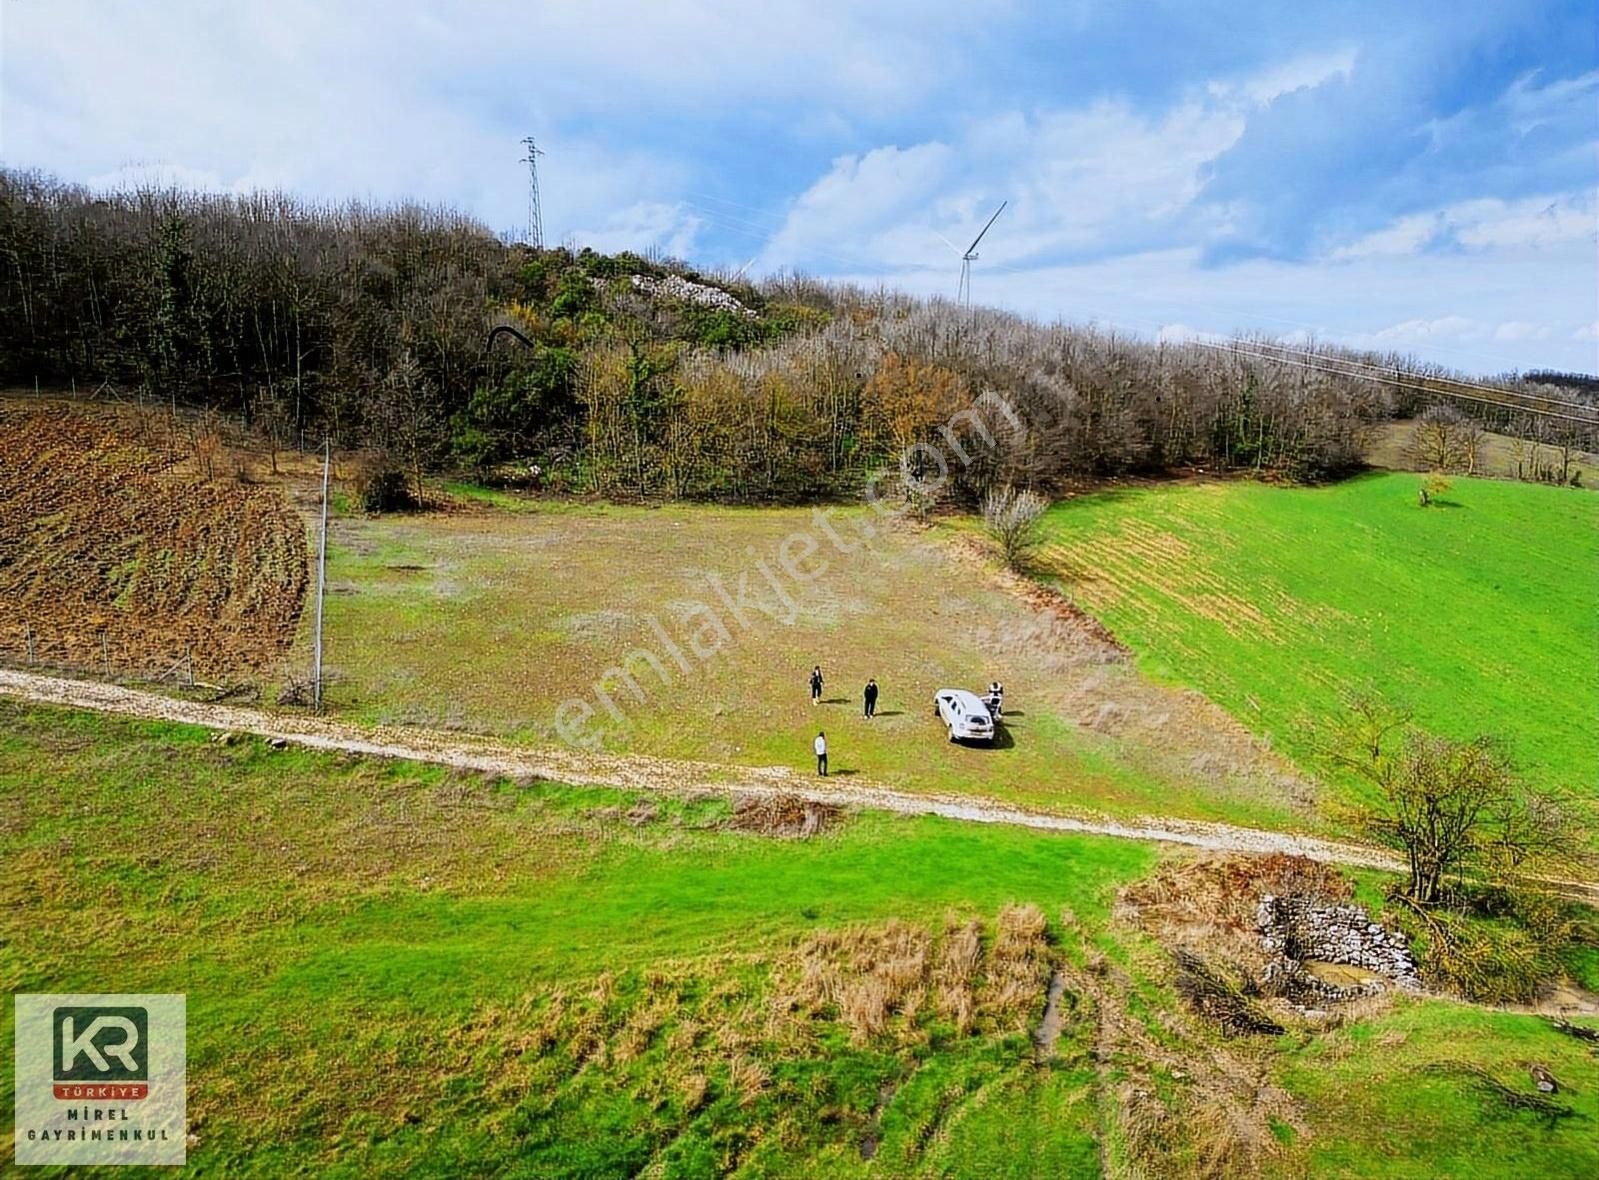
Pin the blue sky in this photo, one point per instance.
(1419, 177)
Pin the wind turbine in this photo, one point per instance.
(969, 255)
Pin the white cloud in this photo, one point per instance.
(1300, 73)
(1536, 222)
(1182, 333)
(1522, 330)
(1095, 177)
(1074, 179)
(1551, 220)
(416, 99)
(1408, 235)
(1531, 104)
(1449, 327)
(646, 224)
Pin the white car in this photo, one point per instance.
(966, 715)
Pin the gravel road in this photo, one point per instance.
(643, 773)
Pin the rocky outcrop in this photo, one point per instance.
(677, 287)
(1296, 930)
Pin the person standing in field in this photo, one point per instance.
(821, 754)
(871, 697)
(816, 684)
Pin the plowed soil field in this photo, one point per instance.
(111, 552)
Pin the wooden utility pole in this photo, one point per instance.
(321, 580)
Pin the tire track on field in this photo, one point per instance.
(670, 776)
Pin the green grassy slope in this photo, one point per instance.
(369, 949)
(1481, 614)
(392, 970)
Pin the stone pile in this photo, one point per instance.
(1297, 929)
(677, 287)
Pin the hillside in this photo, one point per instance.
(1480, 614)
(642, 378)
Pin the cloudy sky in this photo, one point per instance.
(1410, 176)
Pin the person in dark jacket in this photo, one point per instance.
(816, 684)
(871, 698)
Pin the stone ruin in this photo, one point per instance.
(1300, 929)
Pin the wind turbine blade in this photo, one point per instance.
(948, 243)
(985, 229)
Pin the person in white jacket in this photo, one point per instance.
(821, 754)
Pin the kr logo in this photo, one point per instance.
(101, 1046)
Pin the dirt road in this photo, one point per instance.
(637, 772)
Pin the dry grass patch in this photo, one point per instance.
(785, 817)
(878, 977)
(1207, 904)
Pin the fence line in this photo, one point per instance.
(96, 654)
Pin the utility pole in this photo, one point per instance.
(535, 216)
(321, 579)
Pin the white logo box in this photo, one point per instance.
(101, 1078)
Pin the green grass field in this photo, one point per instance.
(1481, 614)
(394, 970)
(488, 619)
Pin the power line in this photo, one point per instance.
(1462, 382)
(1399, 380)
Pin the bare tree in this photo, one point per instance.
(406, 416)
(1454, 808)
(1014, 521)
(271, 423)
(1567, 441)
(1438, 441)
(1472, 437)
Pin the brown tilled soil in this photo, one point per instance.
(110, 549)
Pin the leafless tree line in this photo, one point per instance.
(369, 324)
(1539, 448)
(824, 410)
(292, 314)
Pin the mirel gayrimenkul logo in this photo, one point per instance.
(100, 1079)
(102, 1053)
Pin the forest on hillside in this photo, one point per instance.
(645, 378)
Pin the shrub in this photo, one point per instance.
(1014, 521)
(1490, 962)
(1433, 488)
(383, 487)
